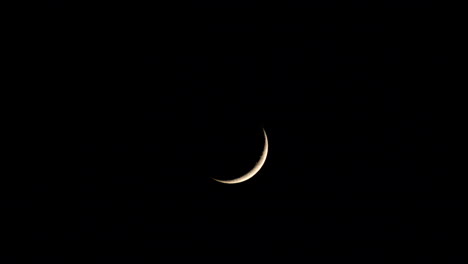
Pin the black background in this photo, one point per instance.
(148, 104)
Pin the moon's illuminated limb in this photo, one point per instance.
(254, 170)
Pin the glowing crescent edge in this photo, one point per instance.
(254, 170)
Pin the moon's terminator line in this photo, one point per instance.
(254, 170)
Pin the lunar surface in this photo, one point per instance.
(254, 170)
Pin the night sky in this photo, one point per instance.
(147, 108)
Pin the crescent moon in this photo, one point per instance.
(254, 170)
